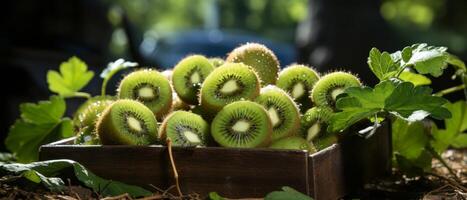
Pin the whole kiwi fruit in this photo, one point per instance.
(150, 88)
(330, 86)
(293, 143)
(260, 58)
(216, 61)
(188, 75)
(298, 81)
(127, 122)
(185, 129)
(283, 111)
(226, 84)
(242, 124)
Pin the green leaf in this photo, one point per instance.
(382, 64)
(408, 138)
(456, 62)
(73, 76)
(416, 79)
(44, 172)
(406, 54)
(454, 134)
(428, 59)
(39, 124)
(287, 193)
(215, 196)
(414, 167)
(401, 99)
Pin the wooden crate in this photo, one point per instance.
(332, 173)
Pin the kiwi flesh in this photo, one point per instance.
(260, 58)
(127, 122)
(188, 75)
(150, 88)
(216, 61)
(298, 81)
(314, 122)
(242, 124)
(283, 111)
(226, 84)
(185, 129)
(293, 143)
(330, 86)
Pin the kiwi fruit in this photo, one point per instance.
(226, 84)
(325, 140)
(178, 104)
(284, 113)
(293, 143)
(242, 124)
(330, 86)
(260, 58)
(89, 116)
(216, 62)
(150, 88)
(127, 122)
(87, 136)
(83, 107)
(185, 129)
(298, 81)
(167, 74)
(188, 75)
(314, 122)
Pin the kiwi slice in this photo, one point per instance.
(185, 129)
(89, 116)
(150, 88)
(314, 122)
(284, 113)
(216, 62)
(242, 124)
(188, 75)
(298, 81)
(293, 143)
(260, 58)
(228, 83)
(84, 106)
(127, 122)
(330, 86)
(87, 136)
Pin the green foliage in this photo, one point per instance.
(382, 64)
(416, 79)
(455, 133)
(47, 172)
(73, 77)
(401, 99)
(39, 124)
(287, 193)
(111, 69)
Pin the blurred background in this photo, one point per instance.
(36, 36)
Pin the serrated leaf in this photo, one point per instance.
(44, 172)
(73, 76)
(116, 66)
(429, 59)
(381, 64)
(39, 124)
(409, 138)
(452, 134)
(416, 79)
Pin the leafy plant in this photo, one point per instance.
(402, 97)
(47, 172)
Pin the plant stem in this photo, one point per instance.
(177, 184)
(450, 90)
(443, 162)
(82, 94)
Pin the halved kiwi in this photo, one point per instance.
(228, 83)
(314, 122)
(293, 143)
(242, 124)
(127, 122)
(282, 110)
(260, 58)
(185, 129)
(330, 86)
(188, 75)
(298, 81)
(150, 88)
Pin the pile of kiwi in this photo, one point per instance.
(244, 101)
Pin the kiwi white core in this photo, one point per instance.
(229, 87)
(336, 92)
(241, 126)
(134, 124)
(298, 90)
(146, 92)
(313, 131)
(195, 78)
(192, 137)
(275, 119)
